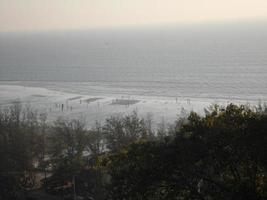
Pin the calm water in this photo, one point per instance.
(228, 62)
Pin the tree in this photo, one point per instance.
(67, 146)
(18, 150)
(122, 131)
(217, 156)
(95, 140)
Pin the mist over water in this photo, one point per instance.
(205, 62)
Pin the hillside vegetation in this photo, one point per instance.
(221, 155)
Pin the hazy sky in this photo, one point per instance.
(21, 15)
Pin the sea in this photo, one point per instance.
(226, 61)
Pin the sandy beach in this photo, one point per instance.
(98, 108)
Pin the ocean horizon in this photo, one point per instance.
(211, 64)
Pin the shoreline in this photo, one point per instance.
(98, 107)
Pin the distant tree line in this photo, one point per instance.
(218, 155)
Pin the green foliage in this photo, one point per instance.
(68, 142)
(95, 140)
(19, 133)
(219, 156)
(122, 131)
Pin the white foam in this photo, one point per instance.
(72, 105)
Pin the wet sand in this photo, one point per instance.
(98, 108)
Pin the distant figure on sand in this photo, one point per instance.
(62, 107)
(188, 101)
